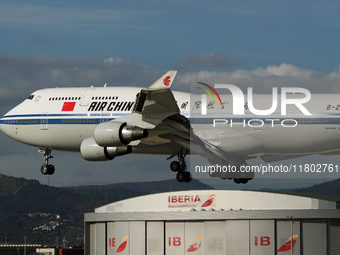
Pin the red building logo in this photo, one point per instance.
(122, 245)
(288, 244)
(196, 245)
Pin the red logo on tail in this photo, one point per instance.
(166, 81)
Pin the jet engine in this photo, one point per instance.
(115, 133)
(91, 151)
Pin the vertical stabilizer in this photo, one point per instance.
(164, 82)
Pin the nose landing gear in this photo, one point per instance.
(46, 169)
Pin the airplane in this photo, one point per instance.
(106, 122)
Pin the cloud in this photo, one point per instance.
(207, 60)
(262, 79)
(41, 40)
(20, 76)
(285, 70)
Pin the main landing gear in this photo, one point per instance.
(181, 168)
(47, 169)
(238, 176)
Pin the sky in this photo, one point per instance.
(257, 44)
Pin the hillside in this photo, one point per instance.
(44, 214)
(330, 188)
(119, 191)
(40, 212)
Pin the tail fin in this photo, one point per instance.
(164, 82)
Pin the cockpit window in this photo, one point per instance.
(30, 97)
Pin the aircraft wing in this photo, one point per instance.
(154, 104)
(174, 133)
(156, 109)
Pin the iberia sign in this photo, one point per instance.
(191, 201)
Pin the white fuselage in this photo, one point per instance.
(61, 118)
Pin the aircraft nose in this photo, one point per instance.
(1, 123)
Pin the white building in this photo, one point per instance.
(214, 222)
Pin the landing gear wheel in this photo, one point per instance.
(51, 169)
(237, 180)
(181, 167)
(187, 177)
(47, 169)
(175, 166)
(44, 169)
(180, 176)
(244, 181)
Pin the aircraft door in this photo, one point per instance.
(86, 97)
(44, 121)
